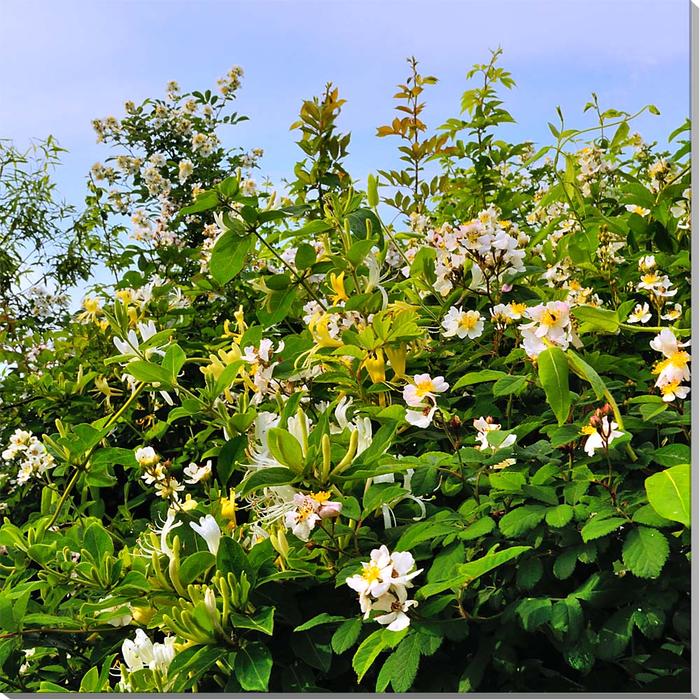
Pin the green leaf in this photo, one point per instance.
(268, 476)
(149, 372)
(559, 516)
(346, 635)
(669, 493)
(615, 635)
(173, 360)
(231, 557)
(594, 318)
(371, 647)
(565, 563)
(253, 666)
(585, 371)
(401, 666)
(321, 619)
(672, 455)
(645, 552)
(534, 612)
(194, 565)
(485, 375)
(599, 527)
(229, 255)
(553, 369)
(521, 520)
(529, 573)
(285, 448)
(509, 385)
(97, 541)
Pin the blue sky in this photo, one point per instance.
(67, 62)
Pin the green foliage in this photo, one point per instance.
(297, 448)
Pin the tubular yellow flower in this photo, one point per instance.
(338, 285)
(397, 358)
(374, 364)
(318, 326)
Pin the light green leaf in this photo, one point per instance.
(553, 368)
(669, 493)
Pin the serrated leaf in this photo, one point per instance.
(645, 552)
(346, 635)
(599, 527)
(559, 516)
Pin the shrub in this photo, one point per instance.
(297, 448)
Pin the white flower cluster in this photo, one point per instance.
(592, 165)
(463, 324)
(261, 368)
(141, 652)
(31, 454)
(421, 394)
(656, 284)
(156, 474)
(382, 586)
(308, 510)
(488, 245)
(673, 369)
(550, 325)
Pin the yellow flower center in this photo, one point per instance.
(680, 358)
(650, 278)
(588, 430)
(670, 388)
(551, 318)
(371, 572)
(423, 388)
(468, 321)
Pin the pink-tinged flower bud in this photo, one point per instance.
(506, 288)
(330, 509)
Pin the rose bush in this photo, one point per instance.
(294, 447)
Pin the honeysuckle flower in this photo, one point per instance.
(302, 520)
(195, 473)
(93, 309)
(423, 387)
(395, 605)
(463, 324)
(146, 456)
(210, 531)
(131, 345)
(138, 653)
(387, 512)
(375, 366)
(641, 314)
(163, 654)
(337, 283)
(601, 436)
